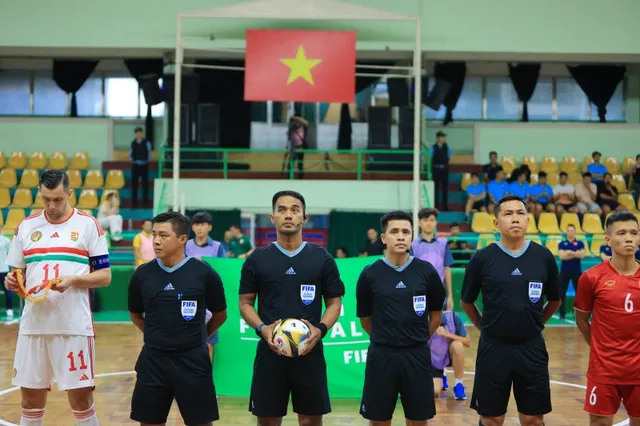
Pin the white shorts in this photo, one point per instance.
(69, 359)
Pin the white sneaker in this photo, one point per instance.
(9, 313)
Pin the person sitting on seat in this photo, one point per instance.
(447, 349)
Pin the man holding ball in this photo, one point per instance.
(290, 278)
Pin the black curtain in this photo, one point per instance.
(70, 76)
(349, 230)
(524, 78)
(362, 83)
(226, 88)
(454, 73)
(598, 82)
(138, 68)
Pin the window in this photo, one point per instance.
(48, 98)
(615, 108)
(540, 106)
(469, 106)
(89, 98)
(122, 97)
(572, 102)
(502, 100)
(15, 93)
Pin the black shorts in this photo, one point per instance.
(276, 376)
(477, 205)
(437, 373)
(185, 376)
(393, 371)
(499, 365)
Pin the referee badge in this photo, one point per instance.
(307, 293)
(535, 291)
(188, 309)
(420, 304)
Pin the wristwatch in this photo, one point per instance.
(259, 329)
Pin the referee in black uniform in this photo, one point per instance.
(514, 275)
(275, 275)
(168, 298)
(399, 303)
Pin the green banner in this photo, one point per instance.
(345, 345)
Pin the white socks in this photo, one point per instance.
(86, 417)
(32, 417)
(458, 381)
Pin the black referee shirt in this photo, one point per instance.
(174, 301)
(397, 299)
(513, 286)
(291, 285)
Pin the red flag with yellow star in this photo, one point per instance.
(300, 66)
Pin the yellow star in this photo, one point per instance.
(300, 66)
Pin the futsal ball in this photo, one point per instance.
(290, 336)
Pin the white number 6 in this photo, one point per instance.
(628, 303)
(592, 396)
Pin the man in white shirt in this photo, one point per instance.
(586, 194)
(564, 195)
(5, 244)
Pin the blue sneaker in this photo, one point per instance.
(445, 385)
(458, 391)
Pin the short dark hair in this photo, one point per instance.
(202, 217)
(52, 178)
(288, 193)
(496, 208)
(475, 174)
(179, 222)
(587, 174)
(138, 129)
(563, 174)
(620, 217)
(571, 225)
(147, 220)
(426, 213)
(493, 153)
(395, 215)
(542, 174)
(454, 224)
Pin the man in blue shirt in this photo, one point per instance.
(520, 186)
(541, 195)
(476, 196)
(570, 251)
(596, 169)
(497, 189)
(605, 252)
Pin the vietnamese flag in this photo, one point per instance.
(300, 66)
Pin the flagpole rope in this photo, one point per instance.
(232, 68)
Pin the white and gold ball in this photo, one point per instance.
(290, 336)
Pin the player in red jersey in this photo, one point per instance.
(609, 293)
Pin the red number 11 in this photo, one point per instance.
(56, 272)
(72, 363)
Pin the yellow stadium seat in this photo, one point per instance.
(592, 224)
(88, 199)
(585, 163)
(534, 178)
(22, 198)
(485, 240)
(73, 200)
(37, 160)
(553, 178)
(508, 165)
(466, 181)
(583, 238)
(482, 223)
(38, 202)
(531, 162)
(531, 227)
(549, 164)
(5, 198)
(75, 178)
(58, 160)
(619, 183)
(14, 217)
(105, 193)
(3, 159)
(628, 163)
(29, 179)
(18, 160)
(627, 201)
(4, 231)
(574, 178)
(597, 241)
(80, 161)
(87, 211)
(115, 180)
(569, 165)
(94, 179)
(8, 177)
(552, 243)
(570, 219)
(535, 238)
(612, 165)
(548, 224)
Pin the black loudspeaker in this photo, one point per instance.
(186, 128)
(438, 94)
(208, 125)
(405, 128)
(190, 88)
(379, 134)
(398, 91)
(151, 89)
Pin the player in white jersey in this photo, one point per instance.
(56, 337)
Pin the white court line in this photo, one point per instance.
(556, 316)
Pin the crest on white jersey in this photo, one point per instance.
(420, 304)
(188, 309)
(307, 293)
(535, 291)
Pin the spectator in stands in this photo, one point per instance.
(239, 244)
(634, 178)
(447, 349)
(109, 216)
(296, 141)
(541, 196)
(597, 169)
(202, 245)
(608, 195)
(476, 196)
(143, 244)
(140, 155)
(587, 194)
(458, 246)
(225, 240)
(440, 156)
(374, 245)
(605, 252)
(430, 248)
(519, 186)
(571, 252)
(497, 189)
(5, 244)
(341, 253)
(490, 171)
(564, 195)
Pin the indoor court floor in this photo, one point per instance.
(118, 344)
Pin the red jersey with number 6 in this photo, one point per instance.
(614, 301)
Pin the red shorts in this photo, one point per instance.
(604, 400)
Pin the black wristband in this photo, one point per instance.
(259, 330)
(323, 330)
